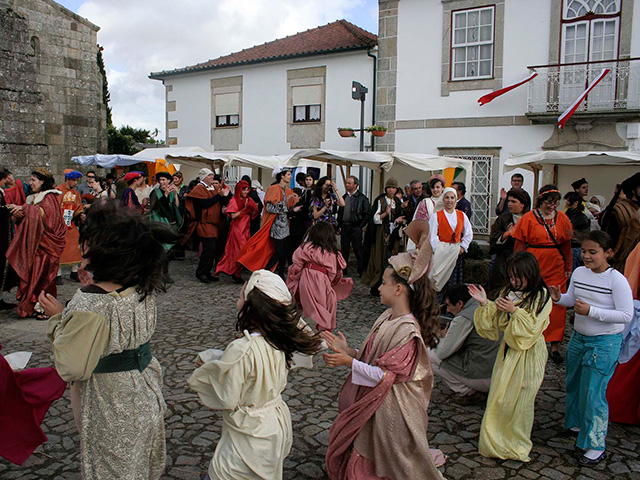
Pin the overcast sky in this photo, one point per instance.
(143, 36)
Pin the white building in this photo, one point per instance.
(438, 57)
(284, 95)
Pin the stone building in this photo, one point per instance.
(51, 105)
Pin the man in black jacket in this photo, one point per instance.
(352, 218)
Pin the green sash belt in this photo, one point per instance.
(136, 359)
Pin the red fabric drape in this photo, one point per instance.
(25, 398)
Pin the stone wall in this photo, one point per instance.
(387, 73)
(50, 87)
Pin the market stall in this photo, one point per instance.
(606, 169)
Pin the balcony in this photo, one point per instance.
(616, 97)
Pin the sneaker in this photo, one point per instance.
(557, 358)
(472, 399)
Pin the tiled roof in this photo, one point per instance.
(337, 36)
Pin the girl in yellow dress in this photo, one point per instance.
(520, 315)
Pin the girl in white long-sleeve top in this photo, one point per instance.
(603, 303)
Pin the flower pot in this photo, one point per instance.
(378, 133)
(346, 133)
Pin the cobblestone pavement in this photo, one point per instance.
(193, 316)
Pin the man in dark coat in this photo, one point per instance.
(352, 218)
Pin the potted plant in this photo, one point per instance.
(346, 132)
(377, 130)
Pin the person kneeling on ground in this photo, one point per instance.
(463, 359)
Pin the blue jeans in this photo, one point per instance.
(591, 362)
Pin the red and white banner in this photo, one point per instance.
(490, 96)
(562, 119)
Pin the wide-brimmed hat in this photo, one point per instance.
(414, 264)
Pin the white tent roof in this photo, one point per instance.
(228, 159)
(384, 160)
(110, 161)
(163, 152)
(532, 160)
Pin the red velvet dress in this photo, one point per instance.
(36, 248)
(238, 235)
(25, 398)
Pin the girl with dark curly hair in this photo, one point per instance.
(247, 379)
(101, 344)
(381, 430)
(518, 317)
(315, 277)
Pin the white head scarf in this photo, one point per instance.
(270, 284)
(204, 172)
(449, 189)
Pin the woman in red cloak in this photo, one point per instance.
(242, 210)
(39, 241)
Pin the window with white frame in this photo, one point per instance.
(472, 39)
(227, 107)
(307, 101)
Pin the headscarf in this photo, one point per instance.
(72, 175)
(449, 189)
(414, 264)
(270, 284)
(256, 184)
(204, 172)
(237, 194)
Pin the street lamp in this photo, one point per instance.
(359, 92)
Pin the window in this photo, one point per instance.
(227, 109)
(307, 101)
(472, 39)
(227, 120)
(306, 113)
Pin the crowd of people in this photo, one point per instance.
(485, 342)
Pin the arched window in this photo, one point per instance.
(590, 30)
(35, 45)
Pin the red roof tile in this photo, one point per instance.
(334, 37)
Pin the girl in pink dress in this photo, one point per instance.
(315, 278)
(242, 210)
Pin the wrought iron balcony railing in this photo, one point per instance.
(557, 86)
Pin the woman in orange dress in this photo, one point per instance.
(547, 233)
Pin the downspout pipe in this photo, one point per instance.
(374, 56)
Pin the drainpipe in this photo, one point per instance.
(375, 91)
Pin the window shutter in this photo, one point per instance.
(307, 95)
(228, 104)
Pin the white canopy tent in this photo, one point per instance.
(110, 161)
(383, 161)
(570, 165)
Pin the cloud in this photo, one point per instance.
(144, 36)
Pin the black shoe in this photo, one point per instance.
(169, 280)
(567, 432)
(557, 358)
(237, 279)
(587, 462)
(7, 306)
(203, 278)
(374, 292)
(74, 276)
(59, 280)
(213, 278)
